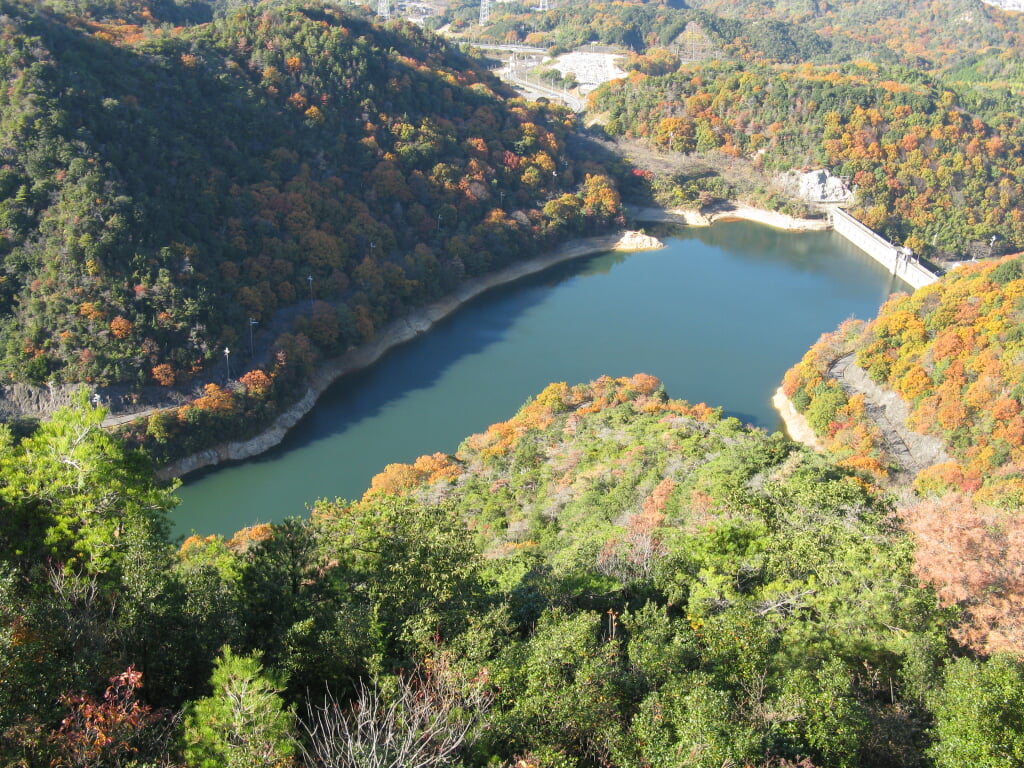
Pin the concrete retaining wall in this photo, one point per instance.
(881, 250)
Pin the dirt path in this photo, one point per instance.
(911, 451)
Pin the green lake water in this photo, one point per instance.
(718, 315)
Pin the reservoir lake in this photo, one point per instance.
(718, 315)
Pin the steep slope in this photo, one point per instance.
(163, 185)
(953, 352)
(610, 578)
(663, 566)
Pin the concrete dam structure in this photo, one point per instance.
(899, 261)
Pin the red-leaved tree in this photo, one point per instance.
(112, 732)
(974, 556)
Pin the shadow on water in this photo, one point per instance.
(421, 362)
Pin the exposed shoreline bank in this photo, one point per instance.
(395, 333)
(404, 329)
(731, 211)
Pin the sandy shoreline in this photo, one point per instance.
(796, 425)
(732, 211)
(398, 332)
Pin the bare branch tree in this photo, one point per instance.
(422, 724)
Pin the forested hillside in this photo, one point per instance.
(610, 578)
(971, 39)
(915, 104)
(161, 185)
(928, 35)
(953, 352)
(928, 173)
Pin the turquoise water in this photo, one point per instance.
(718, 315)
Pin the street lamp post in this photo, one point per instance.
(252, 349)
(311, 300)
(227, 362)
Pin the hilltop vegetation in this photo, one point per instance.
(609, 578)
(161, 185)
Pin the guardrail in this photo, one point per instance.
(574, 103)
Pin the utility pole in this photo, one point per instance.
(252, 349)
(485, 11)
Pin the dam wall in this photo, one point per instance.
(898, 261)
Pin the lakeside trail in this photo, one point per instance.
(911, 451)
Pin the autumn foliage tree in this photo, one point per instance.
(974, 556)
(118, 731)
